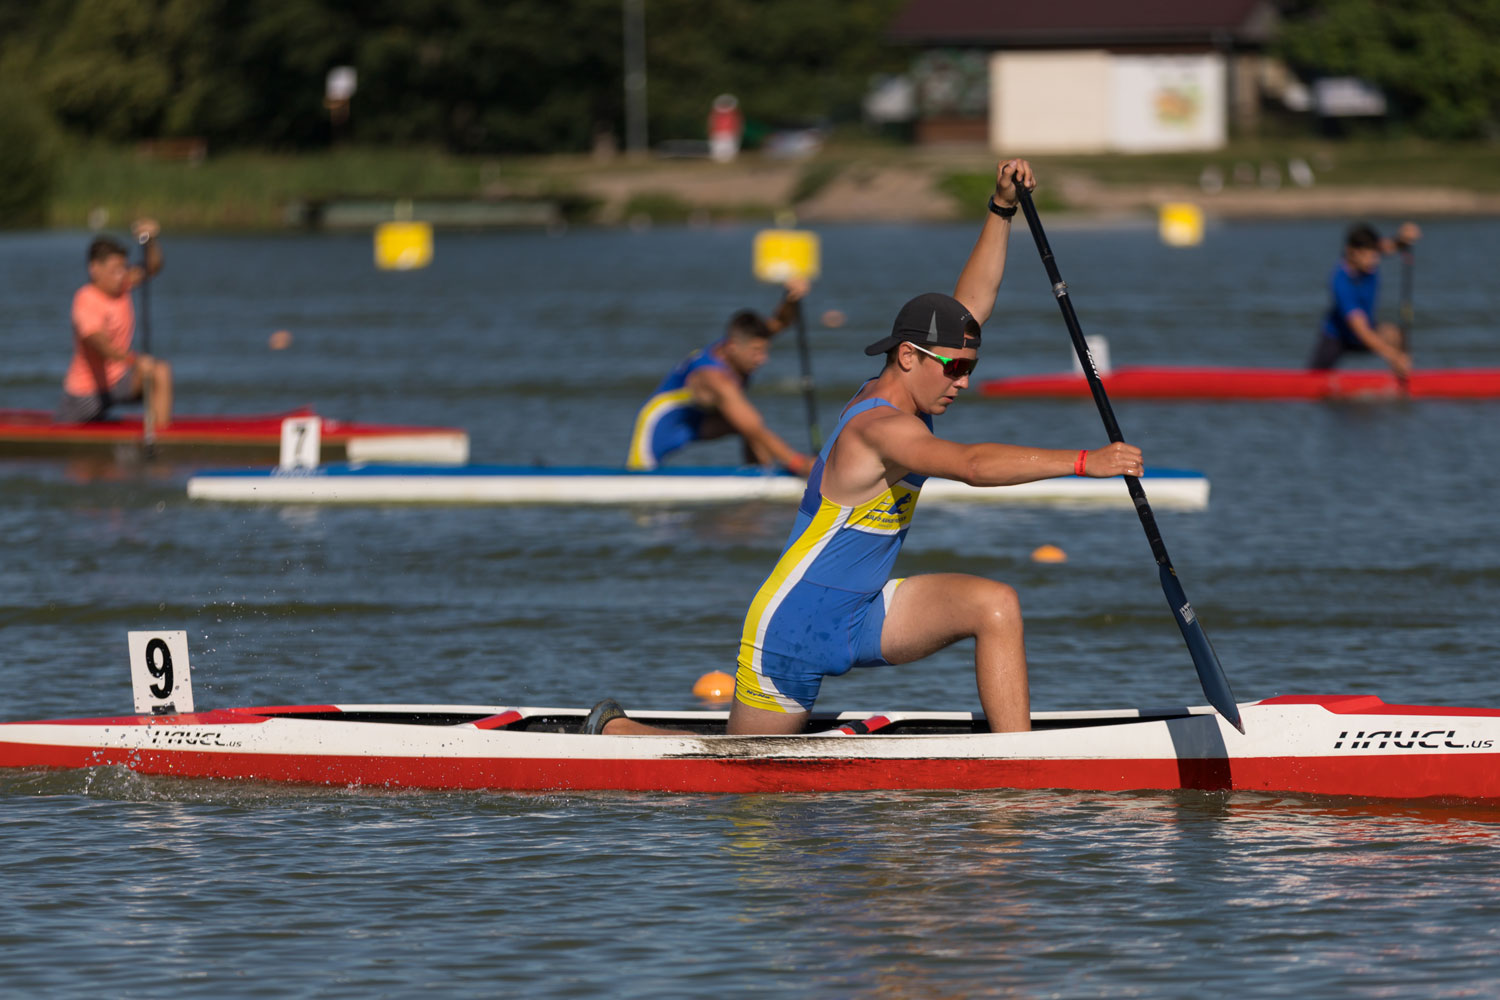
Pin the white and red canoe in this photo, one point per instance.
(352, 483)
(1208, 383)
(243, 437)
(1352, 745)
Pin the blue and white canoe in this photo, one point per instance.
(519, 484)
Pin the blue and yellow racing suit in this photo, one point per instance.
(670, 418)
(822, 609)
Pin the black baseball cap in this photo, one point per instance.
(1362, 236)
(931, 320)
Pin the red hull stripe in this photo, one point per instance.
(1165, 382)
(37, 425)
(1471, 777)
(1369, 704)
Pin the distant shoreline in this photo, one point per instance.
(103, 187)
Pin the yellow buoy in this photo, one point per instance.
(715, 686)
(1180, 224)
(1048, 554)
(783, 254)
(403, 246)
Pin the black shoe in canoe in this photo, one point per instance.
(600, 716)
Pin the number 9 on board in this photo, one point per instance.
(159, 672)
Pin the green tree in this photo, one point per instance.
(472, 75)
(28, 159)
(788, 61)
(1436, 61)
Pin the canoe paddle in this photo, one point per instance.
(779, 255)
(1210, 673)
(1407, 267)
(809, 388)
(148, 426)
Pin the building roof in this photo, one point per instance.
(1017, 24)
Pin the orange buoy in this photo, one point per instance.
(281, 340)
(1048, 554)
(833, 318)
(715, 686)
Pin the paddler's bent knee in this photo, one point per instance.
(745, 720)
(1001, 603)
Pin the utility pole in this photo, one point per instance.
(635, 77)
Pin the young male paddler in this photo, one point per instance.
(106, 371)
(829, 604)
(1349, 325)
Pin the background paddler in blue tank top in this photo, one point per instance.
(1349, 324)
(704, 396)
(829, 604)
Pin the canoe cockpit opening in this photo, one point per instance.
(712, 724)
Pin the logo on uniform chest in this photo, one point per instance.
(888, 513)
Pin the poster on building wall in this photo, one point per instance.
(1161, 103)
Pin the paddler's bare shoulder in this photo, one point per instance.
(862, 461)
(881, 422)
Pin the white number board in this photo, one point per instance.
(301, 442)
(159, 672)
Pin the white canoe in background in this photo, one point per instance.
(504, 484)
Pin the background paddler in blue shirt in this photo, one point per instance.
(1349, 325)
(704, 396)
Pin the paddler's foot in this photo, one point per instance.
(608, 719)
(600, 716)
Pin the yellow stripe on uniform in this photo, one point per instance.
(658, 406)
(789, 571)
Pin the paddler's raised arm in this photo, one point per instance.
(979, 282)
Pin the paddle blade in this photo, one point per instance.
(1210, 673)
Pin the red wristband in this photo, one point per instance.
(1080, 463)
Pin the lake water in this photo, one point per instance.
(1346, 548)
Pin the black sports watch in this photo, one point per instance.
(1004, 213)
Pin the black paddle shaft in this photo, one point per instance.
(809, 389)
(145, 296)
(1210, 673)
(1407, 267)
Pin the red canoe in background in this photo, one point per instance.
(234, 437)
(1176, 382)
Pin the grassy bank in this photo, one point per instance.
(1469, 167)
(250, 190)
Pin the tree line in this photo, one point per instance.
(541, 76)
(1438, 61)
(493, 76)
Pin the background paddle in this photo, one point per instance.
(1407, 267)
(779, 255)
(809, 389)
(148, 425)
(1210, 673)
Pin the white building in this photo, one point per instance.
(1087, 76)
